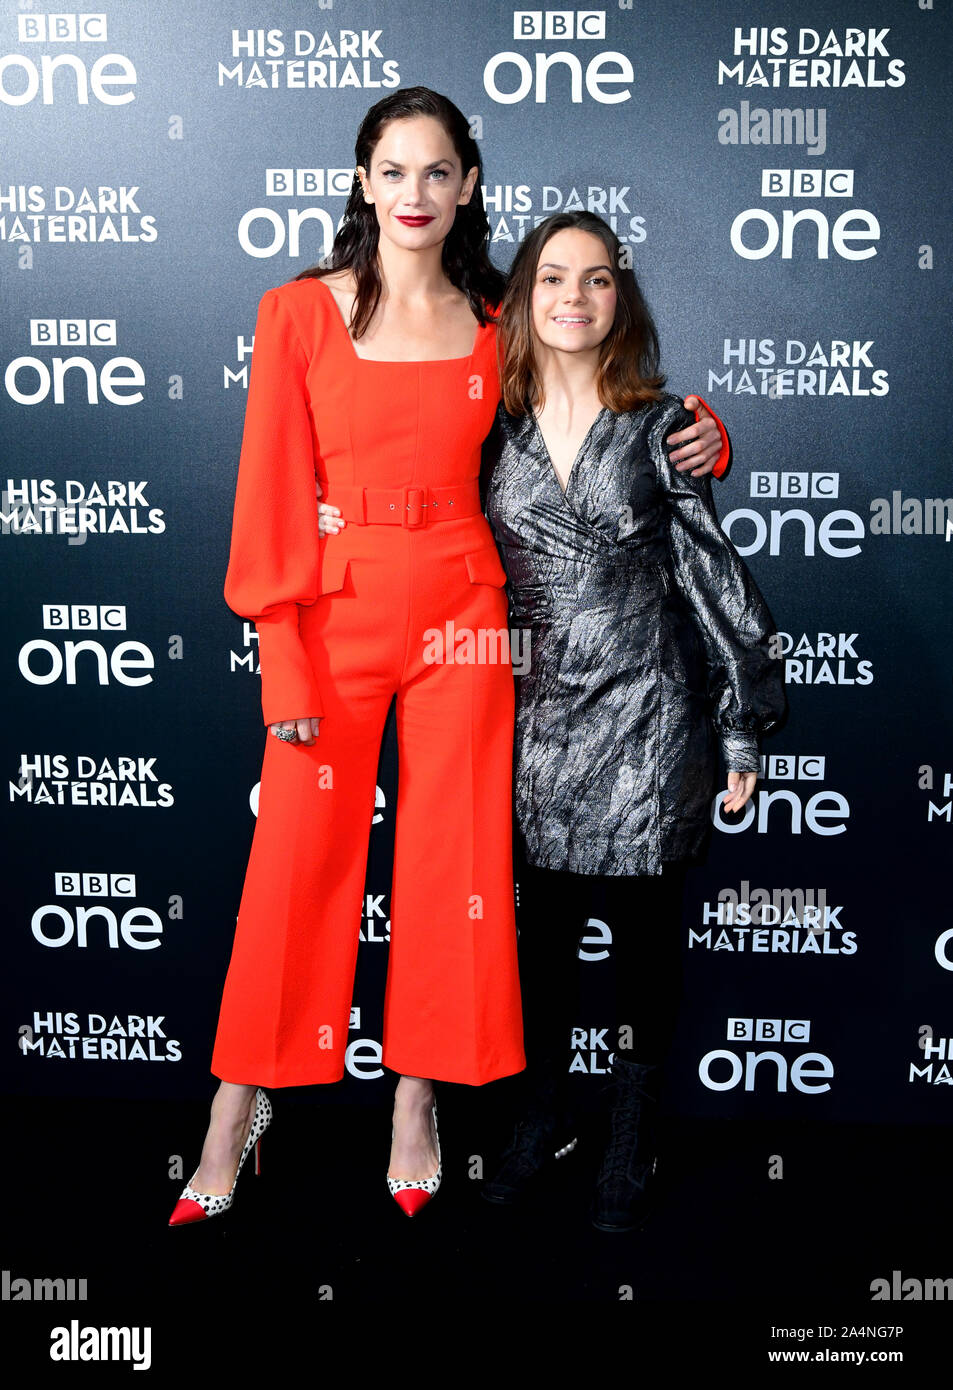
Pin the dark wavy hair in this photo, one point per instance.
(628, 369)
(466, 261)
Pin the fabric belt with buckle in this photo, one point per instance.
(402, 506)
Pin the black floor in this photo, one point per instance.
(314, 1248)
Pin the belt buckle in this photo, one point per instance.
(412, 514)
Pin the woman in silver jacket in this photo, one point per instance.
(642, 647)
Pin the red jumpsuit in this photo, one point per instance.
(344, 624)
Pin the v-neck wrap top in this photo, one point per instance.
(648, 641)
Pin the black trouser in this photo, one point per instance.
(644, 915)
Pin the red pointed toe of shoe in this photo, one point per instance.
(411, 1199)
(185, 1211)
(195, 1206)
(412, 1194)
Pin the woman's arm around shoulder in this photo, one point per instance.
(703, 445)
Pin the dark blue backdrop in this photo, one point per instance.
(139, 190)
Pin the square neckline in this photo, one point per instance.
(395, 361)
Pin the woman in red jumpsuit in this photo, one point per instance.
(392, 435)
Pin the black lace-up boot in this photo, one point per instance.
(543, 1134)
(625, 1187)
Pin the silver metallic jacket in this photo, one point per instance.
(648, 641)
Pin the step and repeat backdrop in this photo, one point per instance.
(781, 173)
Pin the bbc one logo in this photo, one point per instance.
(837, 532)
(514, 76)
(46, 660)
(824, 812)
(726, 1068)
(74, 923)
(264, 231)
(65, 76)
(849, 233)
(33, 380)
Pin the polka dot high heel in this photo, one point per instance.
(411, 1194)
(199, 1206)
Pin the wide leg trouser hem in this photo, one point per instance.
(481, 1076)
(270, 1078)
(267, 1076)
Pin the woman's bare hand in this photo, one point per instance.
(308, 729)
(330, 520)
(698, 446)
(740, 788)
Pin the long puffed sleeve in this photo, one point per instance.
(745, 680)
(273, 559)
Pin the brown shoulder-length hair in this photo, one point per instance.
(628, 372)
(465, 258)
